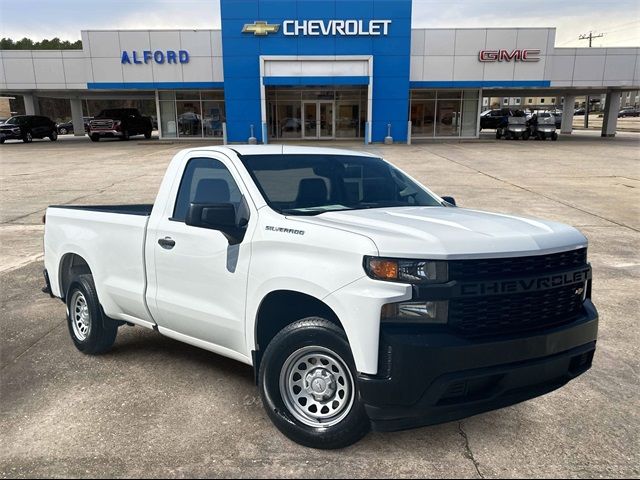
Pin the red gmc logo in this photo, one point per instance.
(525, 55)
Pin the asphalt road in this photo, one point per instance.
(154, 407)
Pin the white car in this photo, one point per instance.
(361, 298)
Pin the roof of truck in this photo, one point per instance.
(284, 149)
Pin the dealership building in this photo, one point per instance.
(323, 69)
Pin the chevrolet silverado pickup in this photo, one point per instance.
(361, 298)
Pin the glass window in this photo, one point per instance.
(449, 94)
(423, 94)
(168, 119)
(469, 117)
(212, 118)
(422, 117)
(448, 118)
(188, 95)
(205, 180)
(314, 184)
(167, 95)
(189, 118)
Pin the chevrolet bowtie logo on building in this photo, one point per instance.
(261, 28)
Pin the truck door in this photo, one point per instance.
(197, 281)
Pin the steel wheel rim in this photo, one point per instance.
(317, 386)
(80, 316)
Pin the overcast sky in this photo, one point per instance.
(619, 20)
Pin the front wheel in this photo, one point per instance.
(147, 134)
(62, 131)
(54, 136)
(94, 137)
(308, 385)
(28, 138)
(125, 135)
(554, 136)
(91, 330)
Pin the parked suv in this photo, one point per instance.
(28, 127)
(629, 112)
(121, 123)
(495, 118)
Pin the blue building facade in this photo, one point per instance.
(322, 46)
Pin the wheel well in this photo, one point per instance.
(70, 266)
(281, 308)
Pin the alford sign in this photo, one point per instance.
(158, 56)
(321, 28)
(523, 55)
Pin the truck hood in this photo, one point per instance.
(453, 233)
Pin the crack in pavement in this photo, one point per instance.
(566, 204)
(468, 452)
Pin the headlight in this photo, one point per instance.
(406, 271)
(431, 312)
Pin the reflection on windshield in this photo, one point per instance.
(15, 121)
(314, 184)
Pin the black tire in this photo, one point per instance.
(94, 137)
(125, 135)
(27, 138)
(554, 136)
(147, 134)
(54, 136)
(1, 141)
(498, 135)
(102, 330)
(525, 136)
(62, 131)
(310, 332)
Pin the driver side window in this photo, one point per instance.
(205, 180)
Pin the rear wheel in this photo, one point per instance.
(54, 136)
(62, 131)
(554, 136)
(28, 138)
(308, 386)
(91, 330)
(147, 134)
(498, 134)
(94, 137)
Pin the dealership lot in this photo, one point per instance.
(155, 407)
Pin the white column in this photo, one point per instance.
(567, 114)
(611, 109)
(31, 106)
(76, 117)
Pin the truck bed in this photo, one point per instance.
(140, 209)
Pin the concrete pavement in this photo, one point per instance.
(156, 407)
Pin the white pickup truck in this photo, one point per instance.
(362, 299)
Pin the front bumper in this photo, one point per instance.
(427, 378)
(106, 133)
(9, 135)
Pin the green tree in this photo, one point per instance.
(46, 44)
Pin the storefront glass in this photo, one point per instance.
(443, 113)
(316, 114)
(191, 114)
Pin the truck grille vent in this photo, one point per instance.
(515, 313)
(515, 266)
(102, 124)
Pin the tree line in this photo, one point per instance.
(46, 44)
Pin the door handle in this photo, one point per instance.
(167, 243)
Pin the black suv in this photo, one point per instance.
(121, 123)
(28, 127)
(495, 118)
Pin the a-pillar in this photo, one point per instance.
(568, 108)
(31, 106)
(611, 110)
(76, 117)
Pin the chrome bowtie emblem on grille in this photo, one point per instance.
(579, 291)
(261, 28)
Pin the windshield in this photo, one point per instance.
(116, 113)
(314, 184)
(16, 121)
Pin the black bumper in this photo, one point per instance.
(432, 377)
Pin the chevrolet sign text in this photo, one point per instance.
(336, 27)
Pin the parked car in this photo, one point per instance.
(495, 118)
(121, 123)
(360, 298)
(556, 116)
(579, 111)
(67, 127)
(28, 127)
(629, 112)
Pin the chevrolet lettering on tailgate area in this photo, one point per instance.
(361, 298)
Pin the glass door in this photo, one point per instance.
(325, 119)
(318, 119)
(310, 120)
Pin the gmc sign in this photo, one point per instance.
(524, 55)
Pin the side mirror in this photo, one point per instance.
(450, 200)
(217, 216)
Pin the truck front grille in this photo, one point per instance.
(101, 124)
(500, 268)
(515, 313)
